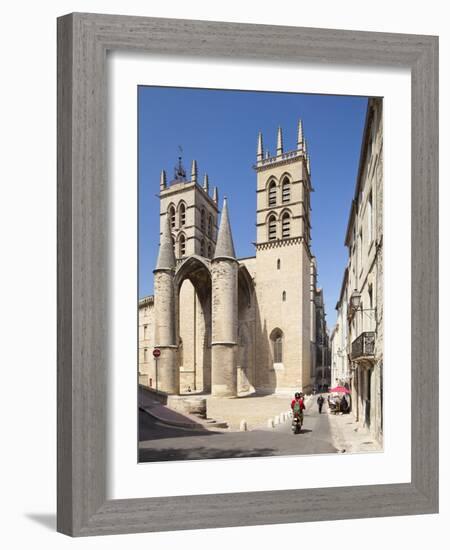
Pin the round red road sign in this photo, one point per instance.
(156, 352)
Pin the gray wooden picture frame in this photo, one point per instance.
(83, 41)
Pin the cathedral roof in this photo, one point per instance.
(166, 256)
(224, 245)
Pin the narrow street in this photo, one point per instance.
(159, 442)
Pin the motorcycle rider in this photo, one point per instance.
(298, 406)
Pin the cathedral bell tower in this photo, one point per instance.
(188, 235)
(192, 212)
(283, 258)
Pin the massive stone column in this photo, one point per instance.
(167, 375)
(224, 280)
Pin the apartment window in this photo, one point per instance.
(145, 332)
(359, 251)
(369, 219)
(370, 292)
(202, 248)
(145, 354)
(278, 264)
(284, 295)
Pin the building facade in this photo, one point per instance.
(357, 342)
(226, 325)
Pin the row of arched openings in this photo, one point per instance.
(272, 226)
(272, 199)
(180, 247)
(173, 215)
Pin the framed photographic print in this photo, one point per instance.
(247, 274)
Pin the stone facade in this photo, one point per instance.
(226, 325)
(357, 341)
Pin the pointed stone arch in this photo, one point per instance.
(192, 285)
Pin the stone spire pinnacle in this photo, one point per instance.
(206, 183)
(260, 149)
(216, 195)
(308, 165)
(194, 171)
(163, 180)
(280, 141)
(166, 255)
(300, 135)
(224, 245)
(305, 147)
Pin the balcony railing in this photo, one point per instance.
(364, 345)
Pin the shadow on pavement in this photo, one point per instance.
(161, 431)
(200, 453)
(151, 429)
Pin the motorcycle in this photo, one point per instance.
(297, 422)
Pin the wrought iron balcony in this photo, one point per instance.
(363, 346)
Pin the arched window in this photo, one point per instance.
(209, 251)
(286, 190)
(284, 295)
(182, 245)
(182, 214)
(286, 226)
(202, 219)
(172, 217)
(272, 199)
(278, 263)
(210, 225)
(202, 247)
(272, 228)
(277, 345)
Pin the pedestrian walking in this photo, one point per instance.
(320, 401)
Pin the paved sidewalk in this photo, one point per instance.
(347, 437)
(162, 413)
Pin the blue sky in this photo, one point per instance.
(219, 129)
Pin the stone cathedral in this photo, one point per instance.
(225, 325)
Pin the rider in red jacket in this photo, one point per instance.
(298, 399)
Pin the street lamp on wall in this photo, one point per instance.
(355, 300)
(355, 303)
